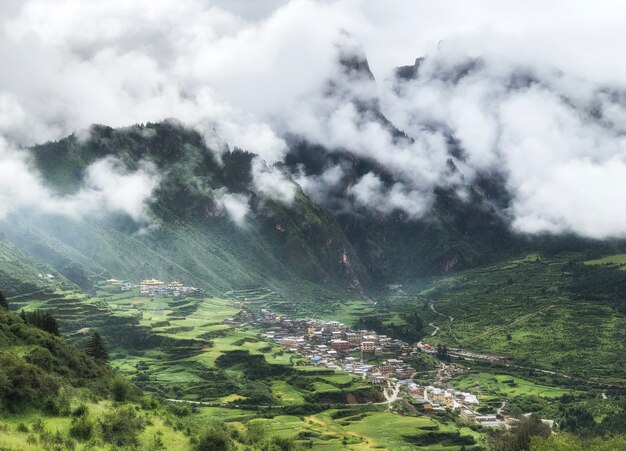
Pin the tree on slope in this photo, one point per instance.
(3, 301)
(96, 348)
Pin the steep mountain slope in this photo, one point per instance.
(20, 273)
(296, 247)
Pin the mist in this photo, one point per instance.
(108, 187)
(525, 90)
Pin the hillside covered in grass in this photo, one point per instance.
(555, 312)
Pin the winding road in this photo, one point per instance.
(436, 329)
(451, 318)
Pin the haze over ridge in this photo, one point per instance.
(539, 104)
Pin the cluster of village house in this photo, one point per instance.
(435, 398)
(154, 287)
(333, 345)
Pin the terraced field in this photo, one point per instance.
(345, 311)
(173, 346)
(369, 430)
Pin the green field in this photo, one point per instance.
(618, 259)
(529, 310)
(13, 439)
(507, 386)
(369, 430)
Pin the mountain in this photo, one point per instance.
(299, 247)
(319, 244)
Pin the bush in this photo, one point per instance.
(80, 411)
(23, 384)
(215, 438)
(179, 409)
(280, 444)
(122, 389)
(40, 357)
(122, 426)
(58, 405)
(82, 427)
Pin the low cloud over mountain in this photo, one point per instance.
(538, 109)
(108, 187)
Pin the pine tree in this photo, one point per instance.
(3, 302)
(43, 320)
(96, 348)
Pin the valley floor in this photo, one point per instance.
(513, 334)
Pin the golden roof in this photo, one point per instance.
(152, 282)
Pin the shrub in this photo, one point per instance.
(80, 410)
(157, 442)
(40, 357)
(280, 444)
(215, 438)
(122, 426)
(38, 426)
(59, 405)
(23, 384)
(179, 409)
(122, 389)
(82, 427)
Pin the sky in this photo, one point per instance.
(246, 73)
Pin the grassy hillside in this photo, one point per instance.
(22, 274)
(36, 367)
(555, 313)
(55, 397)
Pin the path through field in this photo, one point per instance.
(451, 318)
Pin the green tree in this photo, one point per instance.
(215, 438)
(3, 301)
(96, 348)
(42, 320)
(519, 437)
(122, 427)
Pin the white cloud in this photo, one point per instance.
(247, 78)
(370, 192)
(590, 200)
(271, 182)
(108, 188)
(235, 205)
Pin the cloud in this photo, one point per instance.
(320, 187)
(370, 192)
(271, 182)
(119, 63)
(544, 105)
(235, 205)
(578, 185)
(107, 188)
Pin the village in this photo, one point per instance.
(377, 358)
(380, 359)
(154, 287)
